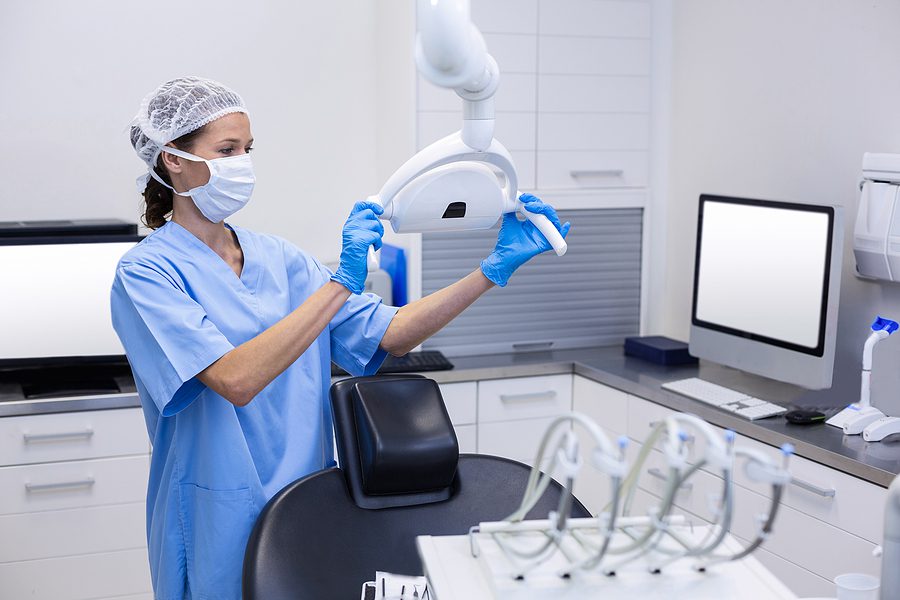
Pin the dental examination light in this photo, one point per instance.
(466, 180)
(859, 415)
(613, 538)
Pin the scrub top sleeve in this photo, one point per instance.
(356, 333)
(166, 334)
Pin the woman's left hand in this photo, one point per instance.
(519, 241)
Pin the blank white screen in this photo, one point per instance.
(761, 270)
(54, 300)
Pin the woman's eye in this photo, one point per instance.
(249, 149)
(226, 150)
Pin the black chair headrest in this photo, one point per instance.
(395, 442)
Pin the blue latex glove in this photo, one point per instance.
(518, 241)
(361, 230)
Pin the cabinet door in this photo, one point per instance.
(608, 408)
(517, 440)
(461, 401)
(467, 437)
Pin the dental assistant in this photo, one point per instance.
(230, 334)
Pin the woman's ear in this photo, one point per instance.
(171, 162)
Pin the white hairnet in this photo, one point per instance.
(178, 107)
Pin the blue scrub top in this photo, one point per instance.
(178, 307)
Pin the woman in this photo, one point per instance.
(230, 334)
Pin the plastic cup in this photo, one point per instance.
(857, 586)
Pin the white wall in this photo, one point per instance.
(73, 73)
(779, 99)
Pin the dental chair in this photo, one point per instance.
(401, 476)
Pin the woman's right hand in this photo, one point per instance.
(362, 229)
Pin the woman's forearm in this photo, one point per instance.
(242, 373)
(419, 320)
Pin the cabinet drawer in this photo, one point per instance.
(52, 533)
(588, 170)
(525, 166)
(505, 16)
(595, 18)
(54, 486)
(467, 437)
(516, 130)
(524, 398)
(800, 581)
(566, 55)
(593, 131)
(72, 436)
(461, 401)
(517, 440)
(643, 416)
(808, 542)
(593, 93)
(514, 53)
(842, 500)
(77, 577)
(607, 406)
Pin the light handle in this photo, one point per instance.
(547, 229)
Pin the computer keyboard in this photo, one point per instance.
(413, 362)
(725, 398)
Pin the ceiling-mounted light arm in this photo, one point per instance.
(451, 52)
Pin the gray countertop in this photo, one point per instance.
(875, 462)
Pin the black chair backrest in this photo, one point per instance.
(313, 541)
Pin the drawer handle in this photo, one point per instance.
(597, 173)
(549, 394)
(810, 487)
(36, 438)
(60, 485)
(654, 472)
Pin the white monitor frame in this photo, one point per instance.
(809, 367)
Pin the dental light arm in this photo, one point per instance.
(455, 183)
(451, 53)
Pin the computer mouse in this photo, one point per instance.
(804, 417)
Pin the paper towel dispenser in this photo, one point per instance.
(876, 236)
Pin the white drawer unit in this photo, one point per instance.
(505, 16)
(85, 577)
(514, 53)
(55, 486)
(594, 93)
(72, 436)
(801, 581)
(606, 18)
(605, 405)
(593, 131)
(565, 55)
(74, 500)
(517, 440)
(829, 495)
(461, 400)
(523, 398)
(56, 533)
(593, 169)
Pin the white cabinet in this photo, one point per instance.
(513, 414)
(461, 400)
(574, 102)
(828, 524)
(73, 507)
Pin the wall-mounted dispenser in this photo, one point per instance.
(876, 237)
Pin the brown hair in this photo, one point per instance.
(157, 197)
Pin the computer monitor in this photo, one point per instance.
(54, 299)
(766, 287)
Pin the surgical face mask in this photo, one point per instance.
(229, 187)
